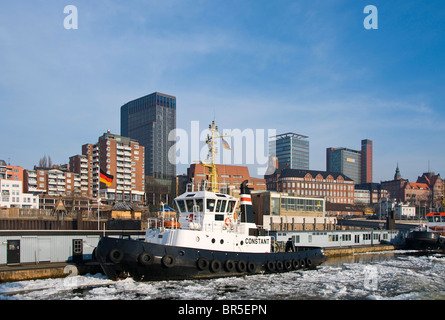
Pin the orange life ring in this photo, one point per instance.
(227, 221)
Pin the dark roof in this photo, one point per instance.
(122, 206)
(298, 173)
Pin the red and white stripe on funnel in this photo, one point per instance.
(245, 199)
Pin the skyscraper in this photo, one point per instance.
(355, 164)
(149, 120)
(291, 149)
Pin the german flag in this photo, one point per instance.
(106, 178)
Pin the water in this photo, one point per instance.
(386, 276)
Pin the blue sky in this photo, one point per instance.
(308, 67)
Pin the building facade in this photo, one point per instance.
(355, 164)
(425, 194)
(334, 187)
(9, 172)
(291, 149)
(149, 120)
(229, 176)
(12, 195)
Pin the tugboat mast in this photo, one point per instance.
(211, 143)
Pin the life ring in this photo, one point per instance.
(228, 221)
(145, 258)
(251, 267)
(229, 265)
(270, 266)
(241, 266)
(202, 263)
(168, 260)
(215, 266)
(116, 255)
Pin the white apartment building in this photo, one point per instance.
(13, 197)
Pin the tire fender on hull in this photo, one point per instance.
(168, 261)
(116, 255)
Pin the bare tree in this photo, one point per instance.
(45, 162)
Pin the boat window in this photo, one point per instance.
(231, 206)
(442, 219)
(219, 217)
(224, 205)
(436, 219)
(430, 219)
(180, 205)
(218, 206)
(210, 205)
(199, 204)
(190, 204)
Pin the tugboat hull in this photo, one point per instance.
(424, 240)
(144, 261)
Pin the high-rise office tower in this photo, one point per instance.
(355, 164)
(291, 149)
(366, 169)
(149, 120)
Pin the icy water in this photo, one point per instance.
(385, 276)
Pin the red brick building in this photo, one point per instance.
(228, 176)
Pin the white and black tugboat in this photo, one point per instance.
(430, 238)
(209, 239)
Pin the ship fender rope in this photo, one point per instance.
(168, 260)
(116, 255)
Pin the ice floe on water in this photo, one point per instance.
(380, 277)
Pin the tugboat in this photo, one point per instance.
(209, 239)
(433, 238)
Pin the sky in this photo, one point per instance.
(308, 67)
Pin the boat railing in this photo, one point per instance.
(205, 185)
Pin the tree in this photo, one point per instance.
(45, 162)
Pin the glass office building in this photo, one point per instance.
(149, 120)
(291, 149)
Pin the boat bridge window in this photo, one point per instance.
(221, 205)
(231, 206)
(199, 203)
(210, 205)
(180, 204)
(190, 205)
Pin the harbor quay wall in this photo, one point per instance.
(345, 251)
(46, 270)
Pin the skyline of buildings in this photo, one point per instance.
(149, 120)
(356, 164)
(138, 164)
(291, 149)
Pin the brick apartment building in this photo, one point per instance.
(334, 187)
(229, 176)
(122, 158)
